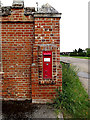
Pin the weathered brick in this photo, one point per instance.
(24, 38)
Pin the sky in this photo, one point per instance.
(73, 22)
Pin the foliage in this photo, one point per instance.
(75, 51)
(73, 99)
(79, 52)
(88, 52)
(82, 54)
(73, 54)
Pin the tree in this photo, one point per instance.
(88, 52)
(75, 51)
(80, 50)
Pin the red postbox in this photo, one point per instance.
(47, 65)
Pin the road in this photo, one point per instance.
(82, 66)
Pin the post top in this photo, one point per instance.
(18, 3)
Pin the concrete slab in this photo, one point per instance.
(45, 111)
(25, 110)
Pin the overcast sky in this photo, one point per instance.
(73, 23)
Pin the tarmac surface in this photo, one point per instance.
(82, 66)
(25, 110)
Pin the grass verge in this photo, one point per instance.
(75, 57)
(73, 100)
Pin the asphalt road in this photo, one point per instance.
(82, 66)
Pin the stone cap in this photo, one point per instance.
(47, 11)
(29, 10)
(5, 11)
(18, 4)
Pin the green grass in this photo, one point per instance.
(73, 100)
(75, 56)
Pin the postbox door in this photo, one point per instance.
(47, 65)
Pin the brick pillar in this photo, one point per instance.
(47, 38)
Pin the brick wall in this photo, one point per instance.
(0, 47)
(24, 38)
(17, 41)
(46, 39)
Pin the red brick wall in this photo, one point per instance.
(24, 38)
(17, 41)
(46, 39)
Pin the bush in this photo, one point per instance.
(88, 52)
(73, 99)
(82, 54)
(78, 54)
(73, 54)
